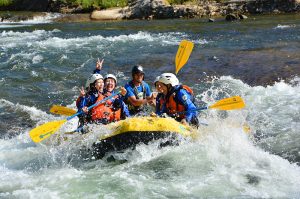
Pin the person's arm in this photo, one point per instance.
(137, 102)
(131, 97)
(185, 99)
(160, 105)
(148, 90)
(99, 65)
(125, 111)
(81, 103)
(88, 100)
(150, 96)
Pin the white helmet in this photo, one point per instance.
(92, 79)
(110, 76)
(168, 78)
(156, 80)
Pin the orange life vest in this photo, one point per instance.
(175, 107)
(105, 110)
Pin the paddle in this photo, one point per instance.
(183, 54)
(44, 131)
(62, 110)
(225, 104)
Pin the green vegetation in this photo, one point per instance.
(178, 1)
(5, 2)
(102, 3)
(97, 3)
(113, 3)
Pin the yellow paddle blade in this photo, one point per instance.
(44, 131)
(62, 110)
(183, 54)
(231, 103)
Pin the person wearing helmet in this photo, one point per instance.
(177, 100)
(94, 85)
(138, 91)
(91, 87)
(90, 80)
(113, 109)
(110, 82)
(89, 95)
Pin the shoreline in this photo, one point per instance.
(19, 16)
(157, 9)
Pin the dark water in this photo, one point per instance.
(42, 64)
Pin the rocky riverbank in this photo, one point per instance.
(158, 9)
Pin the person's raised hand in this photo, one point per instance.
(82, 92)
(85, 109)
(99, 64)
(123, 91)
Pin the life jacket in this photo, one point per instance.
(138, 95)
(174, 106)
(105, 111)
(89, 99)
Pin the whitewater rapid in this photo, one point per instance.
(224, 162)
(45, 63)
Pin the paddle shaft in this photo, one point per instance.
(230, 103)
(92, 106)
(197, 109)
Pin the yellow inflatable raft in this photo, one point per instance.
(128, 133)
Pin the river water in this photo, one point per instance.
(44, 63)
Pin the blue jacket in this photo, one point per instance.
(182, 97)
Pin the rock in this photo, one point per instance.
(17, 16)
(211, 20)
(5, 16)
(143, 9)
(74, 18)
(241, 16)
(109, 14)
(272, 6)
(231, 17)
(159, 9)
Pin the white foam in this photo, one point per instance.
(46, 18)
(34, 113)
(37, 59)
(279, 26)
(15, 39)
(10, 25)
(45, 39)
(223, 162)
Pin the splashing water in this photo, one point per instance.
(45, 64)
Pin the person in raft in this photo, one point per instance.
(93, 88)
(94, 85)
(99, 88)
(138, 92)
(111, 110)
(175, 100)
